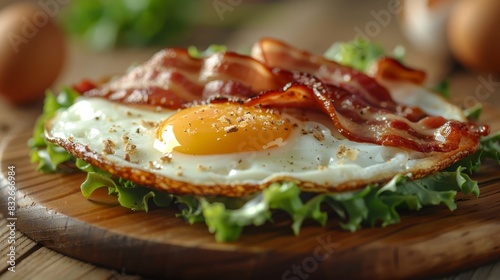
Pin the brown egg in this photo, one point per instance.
(423, 22)
(474, 34)
(31, 52)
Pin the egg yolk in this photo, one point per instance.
(221, 129)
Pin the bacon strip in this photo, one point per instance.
(279, 75)
(172, 79)
(167, 79)
(277, 54)
(391, 69)
(360, 123)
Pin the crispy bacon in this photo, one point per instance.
(84, 86)
(279, 75)
(167, 79)
(360, 122)
(391, 69)
(173, 79)
(244, 69)
(277, 54)
(391, 124)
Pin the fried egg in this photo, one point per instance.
(226, 149)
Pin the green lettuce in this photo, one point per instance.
(473, 113)
(226, 218)
(443, 89)
(48, 156)
(103, 25)
(489, 148)
(196, 53)
(360, 54)
(129, 194)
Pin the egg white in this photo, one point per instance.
(114, 130)
(415, 95)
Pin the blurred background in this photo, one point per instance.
(47, 43)
(54, 43)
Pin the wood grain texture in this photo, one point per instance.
(38, 262)
(430, 242)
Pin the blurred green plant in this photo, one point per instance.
(360, 54)
(105, 24)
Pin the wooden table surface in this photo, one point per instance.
(33, 261)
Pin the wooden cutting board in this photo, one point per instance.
(430, 242)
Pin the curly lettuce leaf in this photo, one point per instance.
(227, 224)
(196, 53)
(47, 155)
(190, 209)
(489, 148)
(443, 89)
(360, 54)
(129, 194)
(473, 113)
(371, 206)
(49, 158)
(227, 217)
